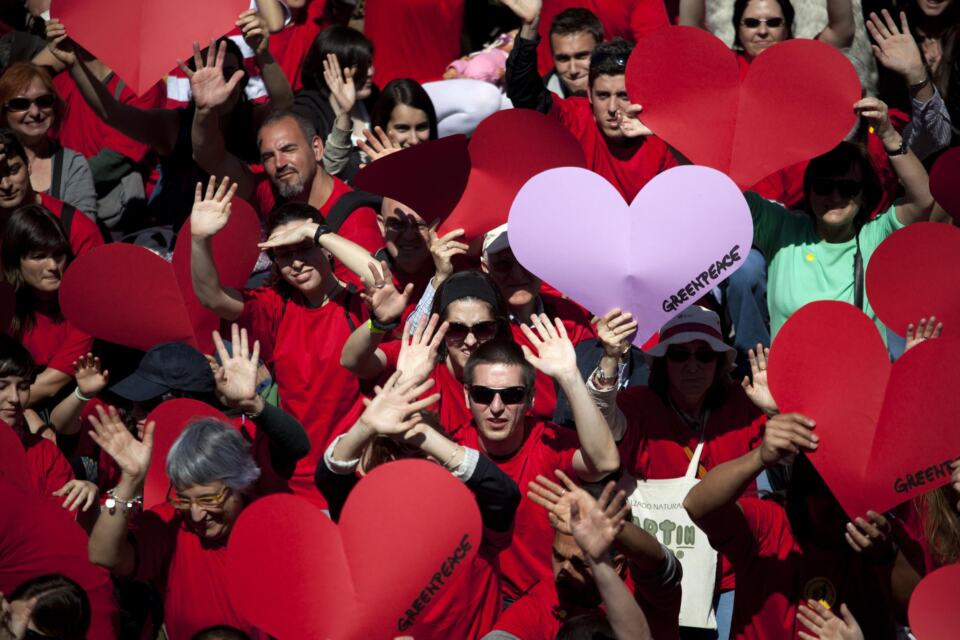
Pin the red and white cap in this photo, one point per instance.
(693, 323)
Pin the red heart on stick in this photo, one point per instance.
(795, 103)
(141, 40)
(506, 150)
(913, 274)
(933, 604)
(172, 417)
(128, 295)
(429, 178)
(945, 181)
(887, 432)
(354, 579)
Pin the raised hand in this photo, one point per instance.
(236, 377)
(925, 330)
(526, 10)
(443, 249)
(111, 435)
(871, 537)
(78, 492)
(823, 624)
(787, 434)
(254, 30)
(385, 302)
(558, 500)
(419, 352)
(597, 523)
(60, 45)
(555, 353)
(15, 617)
(757, 390)
(211, 210)
(616, 331)
(343, 90)
(209, 88)
(895, 47)
(91, 379)
(629, 123)
(291, 237)
(377, 144)
(392, 411)
(877, 115)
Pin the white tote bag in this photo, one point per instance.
(657, 507)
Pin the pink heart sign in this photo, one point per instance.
(686, 232)
(141, 40)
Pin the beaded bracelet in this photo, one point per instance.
(111, 502)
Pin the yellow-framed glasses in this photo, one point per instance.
(213, 503)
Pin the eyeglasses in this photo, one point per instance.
(207, 503)
(679, 356)
(482, 331)
(753, 23)
(826, 186)
(45, 101)
(508, 395)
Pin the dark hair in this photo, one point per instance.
(838, 161)
(478, 281)
(740, 6)
(587, 626)
(577, 20)
(30, 228)
(352, 48)
(947, 70)
(233, 49)
(499, 351)
(306, 127)
(220, 632)
(282, 214)
(403, 91)
(384, 449)
(659, 382)
(62, 609)
(15, 359)
(609, 59)
(11, 144)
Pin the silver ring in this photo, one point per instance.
(379, 285)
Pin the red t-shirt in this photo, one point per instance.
(38, 538)
(304, 346)
(290, 46)
(545, 448)
(360, 226)
(56, 344)
(190, 575)
(775, 574)
(84, 233)
(50, 470)
(627, 168)
(414, 38)
(630, 19)
(658, 445)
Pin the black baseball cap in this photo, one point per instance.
(171, 366)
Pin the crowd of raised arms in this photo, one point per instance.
(246, 392)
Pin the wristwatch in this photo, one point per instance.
(322, 229)
(901, 151)
(603, 379)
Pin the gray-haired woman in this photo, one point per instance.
(180, 550)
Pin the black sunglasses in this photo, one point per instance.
(826, 186)
(753, 23)
(508, 395)
(457, 332)
(678, 355)
(45, 101)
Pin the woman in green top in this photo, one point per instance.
(811, 255)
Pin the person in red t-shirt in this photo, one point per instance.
(36, 253)
(785, 556)
(301, 319)
(615, 144)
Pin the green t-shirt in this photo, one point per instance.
(801, 267)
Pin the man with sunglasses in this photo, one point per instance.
(615, 144)
(498, 381)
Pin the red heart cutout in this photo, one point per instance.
(141, 40)
(933, 604)
(945, 181)
(507, 149)
(128, 295)
(355, 579)
(172, 417)
(887, 432)
(913, 274)
(13, 460)
(429, 178)
(795, 103)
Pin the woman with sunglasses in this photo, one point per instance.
(32, 108)
(691, 416)
(212, 476)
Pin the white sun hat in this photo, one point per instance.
(693, 323)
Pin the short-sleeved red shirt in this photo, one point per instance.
(545, 448)
(84, 233)
(628, 168)
(56, 344)
(50, 470)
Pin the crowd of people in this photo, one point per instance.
(624, 492)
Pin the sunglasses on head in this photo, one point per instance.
(753, 23)
(45, 101)
(826, 186)
(482, 331)
(679, 355)
(508, 395)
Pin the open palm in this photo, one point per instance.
(111, 435)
